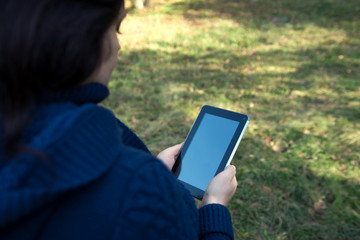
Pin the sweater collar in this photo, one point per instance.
(87, 93)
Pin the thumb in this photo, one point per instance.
(176, 148)
(229, 172)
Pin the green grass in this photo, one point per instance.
(293, 66)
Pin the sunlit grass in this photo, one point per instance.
(293, 66)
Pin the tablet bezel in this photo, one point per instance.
(234, 143)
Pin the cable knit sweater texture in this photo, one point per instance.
(95, 179)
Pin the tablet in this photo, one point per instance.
(209, 147)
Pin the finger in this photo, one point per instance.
(231, 169)
(179, 146)
(176, 147)
(230, 172)
(234, 182)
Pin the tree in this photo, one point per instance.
(140, 4)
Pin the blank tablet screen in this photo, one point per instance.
(207, 150)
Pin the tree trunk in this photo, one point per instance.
(147, 3)
(140, 4)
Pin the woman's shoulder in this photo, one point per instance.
(81, 141)
(67, 114)
(57, 122)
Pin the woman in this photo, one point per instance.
(68, 168)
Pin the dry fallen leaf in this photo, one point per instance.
(266, 188)
(267, 140)
(275, 148)
(319, 206)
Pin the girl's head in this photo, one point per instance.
(48, 45)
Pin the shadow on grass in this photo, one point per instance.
(280, 194)
(282, 198)
(333, 69)
(258, 13)
(285, 193)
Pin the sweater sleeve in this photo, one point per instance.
(215, 223)
(157, 207)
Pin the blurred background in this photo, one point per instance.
(293, 66)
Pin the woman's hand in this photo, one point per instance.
(168, 156)
(221, 188)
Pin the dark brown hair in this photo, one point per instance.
(46, 45)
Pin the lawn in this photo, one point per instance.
(293, 66)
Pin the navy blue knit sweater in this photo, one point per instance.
(95, 179)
